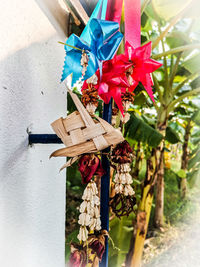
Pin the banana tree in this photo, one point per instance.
(182, 124)
(175, 41)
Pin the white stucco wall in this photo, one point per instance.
(32, 192)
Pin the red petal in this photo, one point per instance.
(151, 65)
(148, 87)
(100, 171)
(143, 52)
(87, 167)
(117, 96)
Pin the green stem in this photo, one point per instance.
(176, 50)
(74, 47)
(171, 64)
(165, 67)
(156, 84)
(174, 70)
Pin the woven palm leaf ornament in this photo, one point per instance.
(106, 76)
(82, 134)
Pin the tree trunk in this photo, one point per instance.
(137, 161)
(159, 208)
(185, 158)
(135, 253)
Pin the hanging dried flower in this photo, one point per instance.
(122, 205)
(89, 218)
(127, 99)
(89, 165)
(78, 257)
(115, 112)
(97, 243)
(122, 153)
(93, 80)
(90, 99)
(129, 73)
(84, 62)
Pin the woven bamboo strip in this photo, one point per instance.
(73, 121)
(88, 147)
(82, 134)
(84, 114)
(92, 132)
(59, 128)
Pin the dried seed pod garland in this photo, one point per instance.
(92, 245)
(89, 218)
(123, 201)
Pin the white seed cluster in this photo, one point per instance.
(89, 211)
(126, 105)
(93, 79)
(84, 62)
(91, 108)
(123, 180)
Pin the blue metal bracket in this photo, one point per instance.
(43, 139)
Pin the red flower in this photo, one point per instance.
(142, 66)
(89, 165)
(126, 71)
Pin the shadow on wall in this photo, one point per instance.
(32, 195)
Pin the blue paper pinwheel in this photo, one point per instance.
(103, 40)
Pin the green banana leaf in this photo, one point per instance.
(121, 233)
(196, 117)
(139, 130)
(192, 64)
(176, 39)
(172, 135)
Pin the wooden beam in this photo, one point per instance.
(80, 11)
(57, 13)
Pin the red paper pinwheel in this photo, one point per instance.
(126, 71)
(141, 66)
(113, 81)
